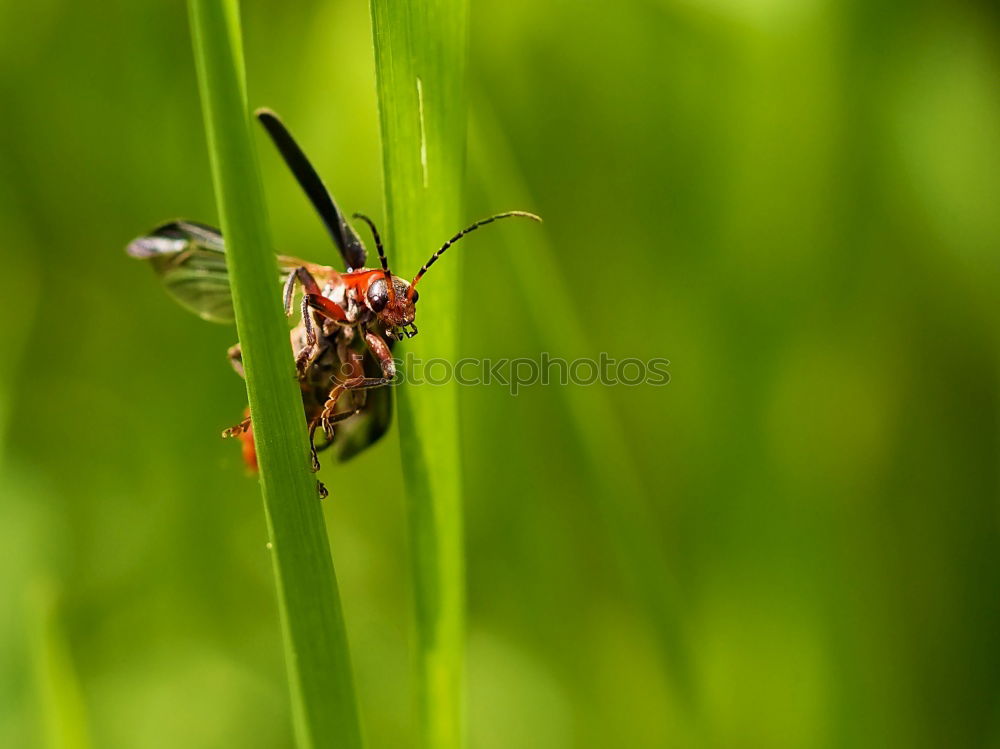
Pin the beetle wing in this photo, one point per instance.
(190, 260)
(344, 236)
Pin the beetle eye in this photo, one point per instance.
(377, 295)
(415, 297)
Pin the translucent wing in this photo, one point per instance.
(190, 260)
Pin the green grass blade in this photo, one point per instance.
(63, 708)
(322, 690)
(420, 56)
(620, 497)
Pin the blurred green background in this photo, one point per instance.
(794, 544)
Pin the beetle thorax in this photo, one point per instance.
(345, 297)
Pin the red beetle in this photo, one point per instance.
(340, 345)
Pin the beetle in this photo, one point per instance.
(348, 320)
(189, 258)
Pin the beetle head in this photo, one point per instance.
(394, 306)
(392, 299)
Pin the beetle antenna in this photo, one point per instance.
(381, 255)
(450, 242)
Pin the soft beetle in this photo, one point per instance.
(339, 309)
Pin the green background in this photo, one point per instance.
(793, 544)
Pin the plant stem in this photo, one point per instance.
(420, 56)
(322, 691)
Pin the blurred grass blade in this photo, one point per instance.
(623, 501)
(63, 712)
(420, 61)
(322, 690)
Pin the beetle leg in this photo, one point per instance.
(327, 425)
(304, 358)
(355, 371)
(330, 416)
(309, 286)
(235, 354)
(367, 383)
(326, 307)
(308, 322)
(289, 292)
(312, 350)
(381, 350)
(238, 429)
(354, 380)
(352, 365)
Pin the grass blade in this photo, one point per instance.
(420, 51)
(63, 708)
(619, 496)
(322, 690)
